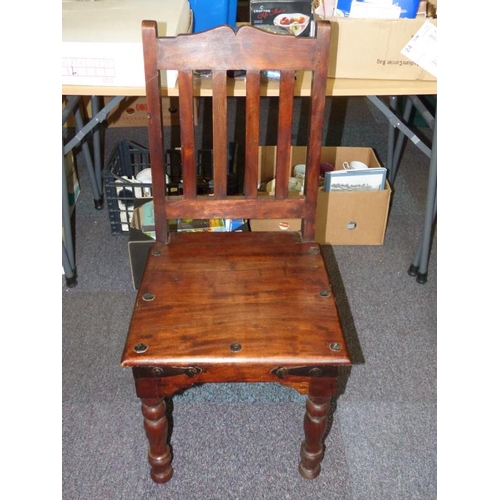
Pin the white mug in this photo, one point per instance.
(299, 171)
(144, 176)
(354, 165)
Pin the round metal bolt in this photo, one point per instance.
(140, 348)
(315, 372)
(325, 293)
(235, 347)
(335, 346)
(282, 372)
(156, 253)
(148, 297)
(156, 370)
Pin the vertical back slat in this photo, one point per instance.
(252, 119)
(153, 99)
(186, 121)
(315, 138)
(285, 116)
(219, 120)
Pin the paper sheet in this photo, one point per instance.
(422, 48)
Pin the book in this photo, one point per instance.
(145, 221)
(370, 179)
(198, 225)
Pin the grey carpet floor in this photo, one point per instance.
(242, 441)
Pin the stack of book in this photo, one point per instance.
(145, 222)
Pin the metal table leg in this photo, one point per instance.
(420, 261)
(93, 167)
(96, 138)
(398, 148)
(95, 182)
(391, 137)
(68, 255)
(395, 121)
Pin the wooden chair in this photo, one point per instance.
(235, 306)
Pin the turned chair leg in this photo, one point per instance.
(315, 423)
(156, 426)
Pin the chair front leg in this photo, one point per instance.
(315, 423)
(156, 427)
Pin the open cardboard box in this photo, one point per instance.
(342, 218)
(139, 244)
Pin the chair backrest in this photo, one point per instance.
(219, 51)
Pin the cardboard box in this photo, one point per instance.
(342, 218)
(352, 218)
(283, 16)
(138, 250)
(102, 41)
(371, 49)
(290, 225)
(132, 112)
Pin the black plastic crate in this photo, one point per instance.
(122, 188)
(205, 170)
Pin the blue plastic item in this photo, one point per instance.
(210, 13)
(409, 8)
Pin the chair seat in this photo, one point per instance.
(272, 293)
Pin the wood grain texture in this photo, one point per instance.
(261, 290)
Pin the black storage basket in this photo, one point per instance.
(122, 188)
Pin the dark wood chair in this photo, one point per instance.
(235, 306)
